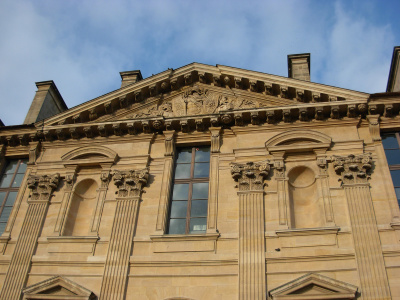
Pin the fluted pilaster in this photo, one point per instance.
(250, 178)
(370, 263)
(42, 188)
(130, 184)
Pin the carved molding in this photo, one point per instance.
(215, 139)
(130, 183)
(374, 130)
(169, 143)
(42, 186)
(250, 176)
(353, 168)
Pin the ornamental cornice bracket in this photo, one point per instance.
(130, 183)
(251, 175)
(353, 168)
(169, 143)
(374, 130)
(42, 186)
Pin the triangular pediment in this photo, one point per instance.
(222, 87)
(314, 286)
(57, 288)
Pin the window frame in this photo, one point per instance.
(392, 167)
(9, 189)
(190, 181)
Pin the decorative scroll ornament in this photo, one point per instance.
(130, 183)
(105, 178)
(250, 176)
(353, 168)
(42, 186)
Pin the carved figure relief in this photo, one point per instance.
(196, 101)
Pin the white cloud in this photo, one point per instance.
(82, 45)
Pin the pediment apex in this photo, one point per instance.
(314, 286)
(57, 287)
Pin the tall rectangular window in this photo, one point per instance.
(189, 200)
(10, 181)
(391, 144)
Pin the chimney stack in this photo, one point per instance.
(46, 103)
(130, 77)
(299, 66)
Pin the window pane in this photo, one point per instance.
(2, 196)
(5, 213)
(389, 141)
(11, 198)
(397, 192)
(199, 208)
(177, 226)
(200, 190)
(181, 192)
(202, 154)
(179, 209)
(6, 181)
(11, 166)
(393, 156)
(2, 227)
(182, 171)
(395, 177)
(201, 170)
(22, 166)
(198, 225)
(17, 180)
(184, 155)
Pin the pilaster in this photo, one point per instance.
(166, 184)
(214, 182)
(130, 184)
(250, 178)
(42, 188)
(354, 171)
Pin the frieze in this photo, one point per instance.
(250, 176)
(130, 183)
(42, 186)
(353, 168)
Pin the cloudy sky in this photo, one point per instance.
(83, 44)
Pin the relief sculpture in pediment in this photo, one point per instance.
(196, 101)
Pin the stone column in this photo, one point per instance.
(130, 185)
(368, 251)
(250, 178)
(42, 188)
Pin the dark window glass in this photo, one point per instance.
(10, 181)
(188, 208)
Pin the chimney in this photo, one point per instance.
(394, 74)
(299, 66)
(46, 103)
(130, 77)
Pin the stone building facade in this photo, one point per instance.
(204, 182)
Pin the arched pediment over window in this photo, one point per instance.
(90, 155)
(298, 140)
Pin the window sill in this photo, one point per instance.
(185, 237)
(307, 231)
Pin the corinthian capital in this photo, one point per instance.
(130, 183)
(250, 176)
(353, 168)
(43, 186)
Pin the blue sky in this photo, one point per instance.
(83, 44)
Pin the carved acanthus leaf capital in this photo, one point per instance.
(42, 186)
(353, 168)
(250, 176)
(130, 183)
